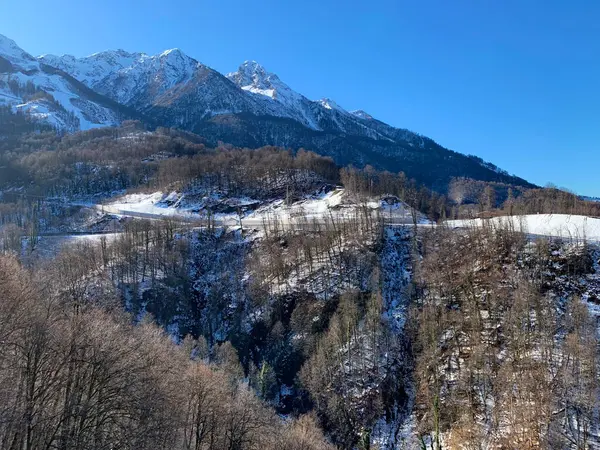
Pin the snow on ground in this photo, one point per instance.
(317, 206)
(552, 225)
(49, 246)
(144, 203)
(398, 430)
(155, 205)
(337, 205)
(321, 206)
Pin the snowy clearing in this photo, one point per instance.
(321, 206)
(552, 225)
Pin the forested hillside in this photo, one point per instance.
(271, 299)
(505, 348)
(76, 375)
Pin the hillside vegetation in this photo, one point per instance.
(350, 329)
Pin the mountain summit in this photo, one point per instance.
(253, 77)
(14, 54)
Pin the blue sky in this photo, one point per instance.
(516, 82)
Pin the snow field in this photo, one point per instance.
(551, 225)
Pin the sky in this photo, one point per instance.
(516, 82)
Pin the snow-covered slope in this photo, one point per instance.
(15, 55)
(278, 97)
(94, 68)
(319, 206)
(146, 78)
(361, 114)
(30, 87)
(552, 225)
(282, 101)
(174, 88)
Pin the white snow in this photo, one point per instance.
(28, 70)
(150, 204)
(48, 246)
(122, 75)
(282, 101)
(17, 56)
(319, 207)
(330, 104)
(552, 225)
(158, 73)
(361, 114)
(315, 207)
(91, 69)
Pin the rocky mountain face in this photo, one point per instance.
(250, 107)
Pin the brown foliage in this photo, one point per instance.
(74, 378)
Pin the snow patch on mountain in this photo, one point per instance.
(330, 104)
(15, 55)
(62, 109)
(128, 78)
(278, 99)
(361, 114)
(147, 77)
(284, 101)
(252, 77)
(92, 69)
(47, 96)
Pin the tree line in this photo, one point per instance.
(98, 162)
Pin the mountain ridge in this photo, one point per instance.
(249, 107)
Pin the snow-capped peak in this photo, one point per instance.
(361, 114)
(251, 66)
(330, 104)
(48, 57)
(172, 52)
(180, 62)
(142, 81)
(281, 100)
(173, 65)
(253, 77)
(15, 54)
(116, 55)
(91, 69)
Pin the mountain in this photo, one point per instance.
(321, 115)
(30, 87)
(92, 69)
(172, 87)
(249, 107)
